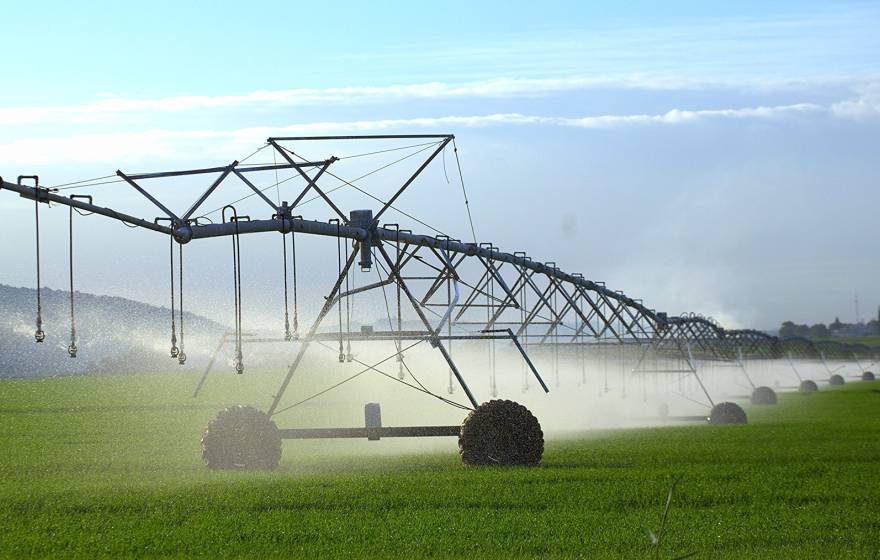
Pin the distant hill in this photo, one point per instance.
(114, 335)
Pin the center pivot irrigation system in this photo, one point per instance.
(458, 292)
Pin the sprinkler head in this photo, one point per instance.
(349, 357)
(174, 351)
(71, 350)
(39, 335)
(181, 357)
(341, 358)
(238, 362)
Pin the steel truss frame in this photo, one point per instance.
(497, 295)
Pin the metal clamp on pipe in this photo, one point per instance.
(364, 219)
(36, 192)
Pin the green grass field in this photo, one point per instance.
(110, 467)
(872, 340)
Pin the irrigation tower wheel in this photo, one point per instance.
(727, 413)
(836, 380)
(808, 386)
(501, 432)
(868, 376)
(763, 395)
(241, 437)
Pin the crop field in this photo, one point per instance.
(110, 467)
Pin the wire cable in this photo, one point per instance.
(87, 184)
(347, 183)
(344, 381)
(287, 334)
(467, 203)
(293, 262)
(348, 299)
(339, 303)
(181, 356)
(420, 387)
(238, 361)
(39, 334)
(71, 348)
(236, 256)
(389, 150)
(334, 189)
(174, 350)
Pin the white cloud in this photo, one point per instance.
(865, 106)
(108, 107)
(678, 116)
(152, 145)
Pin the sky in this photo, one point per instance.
(707, 157)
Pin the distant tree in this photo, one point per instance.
(836, 325)
(802, 330)
(787, 330)
(819, 331)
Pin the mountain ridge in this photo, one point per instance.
(114, 334)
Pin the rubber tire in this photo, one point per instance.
(868, 376)
(808, 386)
(836, 380)
(763, 396)
(241, 438)
(501, 432)
(727, 413)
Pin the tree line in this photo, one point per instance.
(821, 330)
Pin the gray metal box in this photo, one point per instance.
(373, 421)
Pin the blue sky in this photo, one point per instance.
(711, 157)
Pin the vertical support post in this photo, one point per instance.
(692, 365)
(742, 366)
